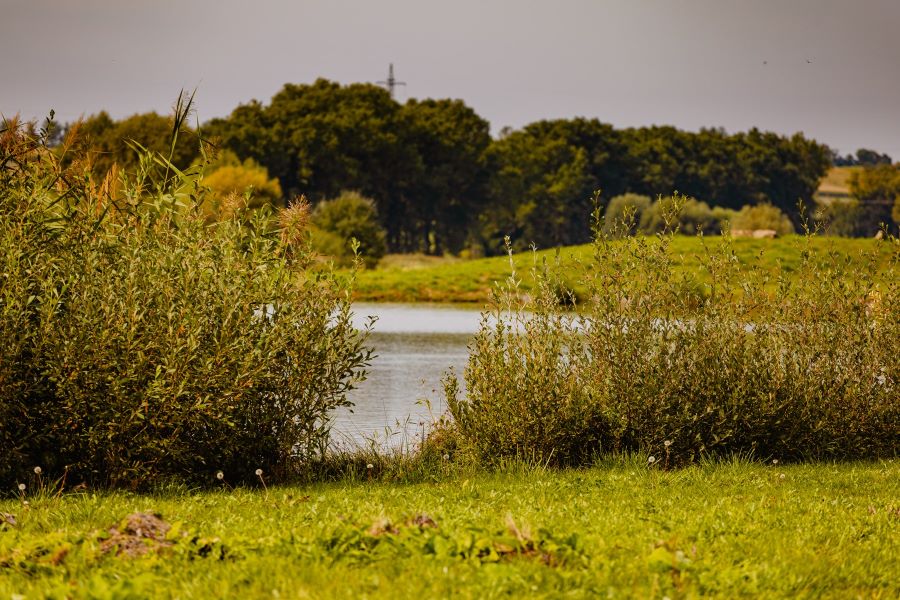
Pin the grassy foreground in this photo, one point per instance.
(616, 530)
(429, 279)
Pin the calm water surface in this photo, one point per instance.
(415, 345)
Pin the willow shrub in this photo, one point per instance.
(141, 344)
(680, 365)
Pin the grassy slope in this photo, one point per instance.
(455, 280)
(716, 530)
(837, 180)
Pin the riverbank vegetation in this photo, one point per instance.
(141, 343)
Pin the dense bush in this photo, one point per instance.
(803, 366)
(625, 208)
(692, 217)
(762, 216)
(140, 343)
(233, 184)
(349, 216)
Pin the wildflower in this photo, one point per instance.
(259, 472)
(37, 471)
(21, 487)
(667, 443)
(651, 460)
(220, 475)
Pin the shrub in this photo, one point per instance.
(140, 343)
(692, 217)
(625, 208)
(806, 366)
(840, 218)
(762, 216)
(233, 184)
(349, 216)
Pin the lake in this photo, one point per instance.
(416, 344)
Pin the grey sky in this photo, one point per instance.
(688, 63)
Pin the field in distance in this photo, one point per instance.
(416, 278)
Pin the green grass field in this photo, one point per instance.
(454, 280)
(617, 530)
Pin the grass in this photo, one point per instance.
(619, 529)
(455, 280)
(837, 180)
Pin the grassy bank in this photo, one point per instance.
(618, 530)
(408, 279)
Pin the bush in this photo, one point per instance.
(840, 218)
(691, 216)
(762, 216)
(349, 216)
(626, 208)
(234, 185)
(141, 344)
(808, 368)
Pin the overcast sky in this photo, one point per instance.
(828, 68)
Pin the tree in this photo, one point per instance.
(877, 189)
(349, 216)
(543, 179)
(109, 140)
(448, 190)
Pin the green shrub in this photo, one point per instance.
(625, 208)
(840, 218)
(692, 217)
(140, 343)
(233, 183)
(810, 370)
(762, 216)
(349, 216)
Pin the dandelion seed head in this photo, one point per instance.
(774, 461)
(446, 457)
(38, 471)
(781, 476)
(220, 475)
(21, 487)
(259, 472)
(651, 460)
(370, 466)
(667, 443)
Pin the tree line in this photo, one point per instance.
(441, 183)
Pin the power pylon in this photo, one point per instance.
(391, 82)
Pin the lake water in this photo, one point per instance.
(415, 345)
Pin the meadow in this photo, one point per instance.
(618, 529)
(417, 278)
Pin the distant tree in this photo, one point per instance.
(447, 190)
(543, 178)
(871, 158)
(108, 140)
(350, 215)
(877, 189)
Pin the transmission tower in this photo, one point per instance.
(391, 82)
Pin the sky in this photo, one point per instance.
(829, 69)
